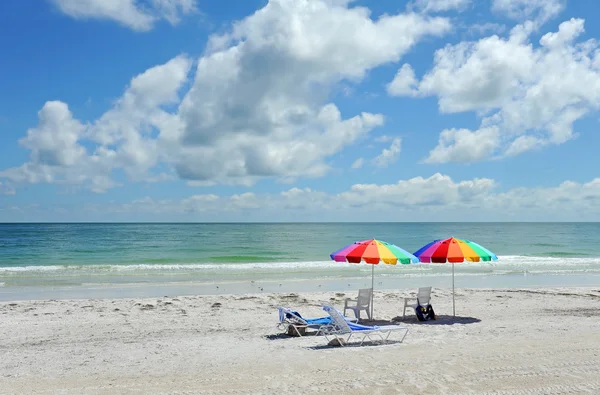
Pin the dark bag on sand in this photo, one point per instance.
(425, 313)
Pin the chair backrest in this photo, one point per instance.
(337, 319)
(424, 296)
(364, 297)
(289, 315)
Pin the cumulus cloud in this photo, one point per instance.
(389, 155)
(121, 138)
(256, 107)
(405, 82)
(530, 96)
(138, 15)
(433, 198)
(358, 163)
(433, 191)
(486, 27)
(539, 11)
(439, 5)
(463, 145)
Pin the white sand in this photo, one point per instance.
(544, 341)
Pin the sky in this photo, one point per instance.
(299, 110)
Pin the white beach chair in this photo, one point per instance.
(423, 299)
(340, 327)
(291, 322)
(362, 302)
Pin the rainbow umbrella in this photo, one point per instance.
(454, 251)
(372, 252)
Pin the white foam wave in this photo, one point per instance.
(179, 267)
(519, 260)
(507, 264)
(32, 268)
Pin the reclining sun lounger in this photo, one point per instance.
(339, 327)
(291, 321)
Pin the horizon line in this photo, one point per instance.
(288, 222)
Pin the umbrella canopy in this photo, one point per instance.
(454, 250)
(373, 251)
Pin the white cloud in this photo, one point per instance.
(523, 144)
(389, 155)
(437, 190)
(405, 82)
(55, 140)
(483, 28)
(357, 164)
(136, 14)
(440, 5)
(173, 10)
(538, 10)
(120, 138)
(383, 139)
(531, 95)
(463, 145)
(436, 198)
(257, 105)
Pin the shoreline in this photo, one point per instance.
(512, 341)
(383, 283)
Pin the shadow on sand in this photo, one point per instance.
(355, 343)
(440, 320)
(284, 336)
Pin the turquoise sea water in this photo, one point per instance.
(79, 257)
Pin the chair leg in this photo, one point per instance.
(296, 329)
(404, 310)
(403, 337)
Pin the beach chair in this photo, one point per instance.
(423, 299)
(291, 322)
(362, 302)
(339, 327)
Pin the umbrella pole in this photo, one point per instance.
(453, 305)
(372, 285)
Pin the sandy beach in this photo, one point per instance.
(537, 341)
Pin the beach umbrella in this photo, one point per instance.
(372, 252)
(453, 251)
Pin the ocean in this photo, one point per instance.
(147, 259)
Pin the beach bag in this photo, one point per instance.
(429, 313)
(425, 313)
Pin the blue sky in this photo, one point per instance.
(298, 110)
